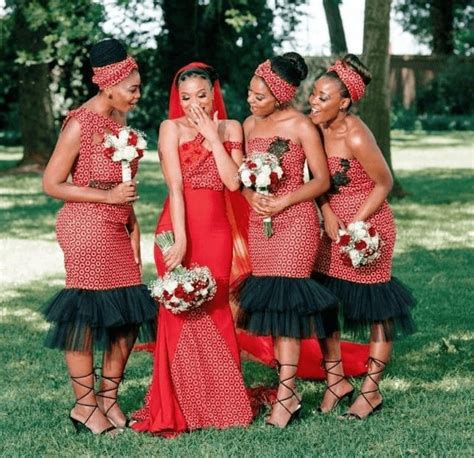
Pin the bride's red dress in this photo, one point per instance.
(197, 381)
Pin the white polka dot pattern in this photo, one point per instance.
(345, 205)
(291, 250)
(207, 380)
(93, 236)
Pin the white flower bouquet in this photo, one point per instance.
(360, 244)
(125, 147)
(182, 289)
(263, 170)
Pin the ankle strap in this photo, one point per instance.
(380, 368)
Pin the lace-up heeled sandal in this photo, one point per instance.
(329, 371)
(380, 368)
(296, 413)
(105, 394)
(81, 426)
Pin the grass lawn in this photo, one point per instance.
(428, 387)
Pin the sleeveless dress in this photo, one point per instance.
(279, 298)
(104, 298)
(197, 382)
(369, 293)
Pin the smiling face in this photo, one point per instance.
(125, 95)
(261, 100)
(326, 101)
(196, 90)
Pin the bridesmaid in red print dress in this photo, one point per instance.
(279, 299)
(104, 303)
(361, 181)
(197, 381)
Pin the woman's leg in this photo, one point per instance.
(338, 386)
(113, 367)
(288, 352)
(380, 350)
(81, 370)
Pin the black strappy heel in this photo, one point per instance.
(103, 394)
(329, 388)
(381, 366)
(81, 426)
(296, 413)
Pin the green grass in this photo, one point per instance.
(428, 386)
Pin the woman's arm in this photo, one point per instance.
(227, 166)
(317, 163)
(168, 142)
(134, 234)
(59, 167)
(363, 146)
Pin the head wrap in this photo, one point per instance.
(281, 89)
(350, 78)
(110, 75)
(175, 110)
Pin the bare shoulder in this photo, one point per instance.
(232, 127)
(302, 125)
(169, 125)
(358, 135)
(72, 128)
(249, 124)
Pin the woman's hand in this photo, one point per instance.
(175, 255)
(332, 224)
(206, 126)
(135, 242)
(273, 204)
(123, 193)
(255, 200)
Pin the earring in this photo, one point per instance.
(277, 105)
(109, 95)
(342, 109)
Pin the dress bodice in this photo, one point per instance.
(292, 164)
(348, 177)
(198, 166)
(92, 166)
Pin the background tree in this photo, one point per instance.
(48, 41)
(375, 106)
(447, 26)
(335, 26)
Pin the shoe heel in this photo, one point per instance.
(78, 426)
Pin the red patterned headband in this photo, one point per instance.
(110, 75)
(282, 90)
(351, 79)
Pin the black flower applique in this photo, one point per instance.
(279, 147)
(340, 178)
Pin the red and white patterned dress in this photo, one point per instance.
(103, 295)
(197, 381)
(368, 293)
(280, 298)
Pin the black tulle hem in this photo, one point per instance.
(85, 320)
(363, 305)
(285, 307)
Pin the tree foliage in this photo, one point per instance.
(447, 26)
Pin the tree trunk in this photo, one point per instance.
(36, 113)
(180, 23)
(375, 106)
(442, 18)
(335, 26)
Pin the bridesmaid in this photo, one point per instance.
(370, 296)
(104, 303)
(280, 299)
(197, 381)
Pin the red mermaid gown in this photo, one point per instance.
(197, 382)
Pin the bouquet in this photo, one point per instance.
(360, 244)
(124, 147)
(262, 170)
(182, 289)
